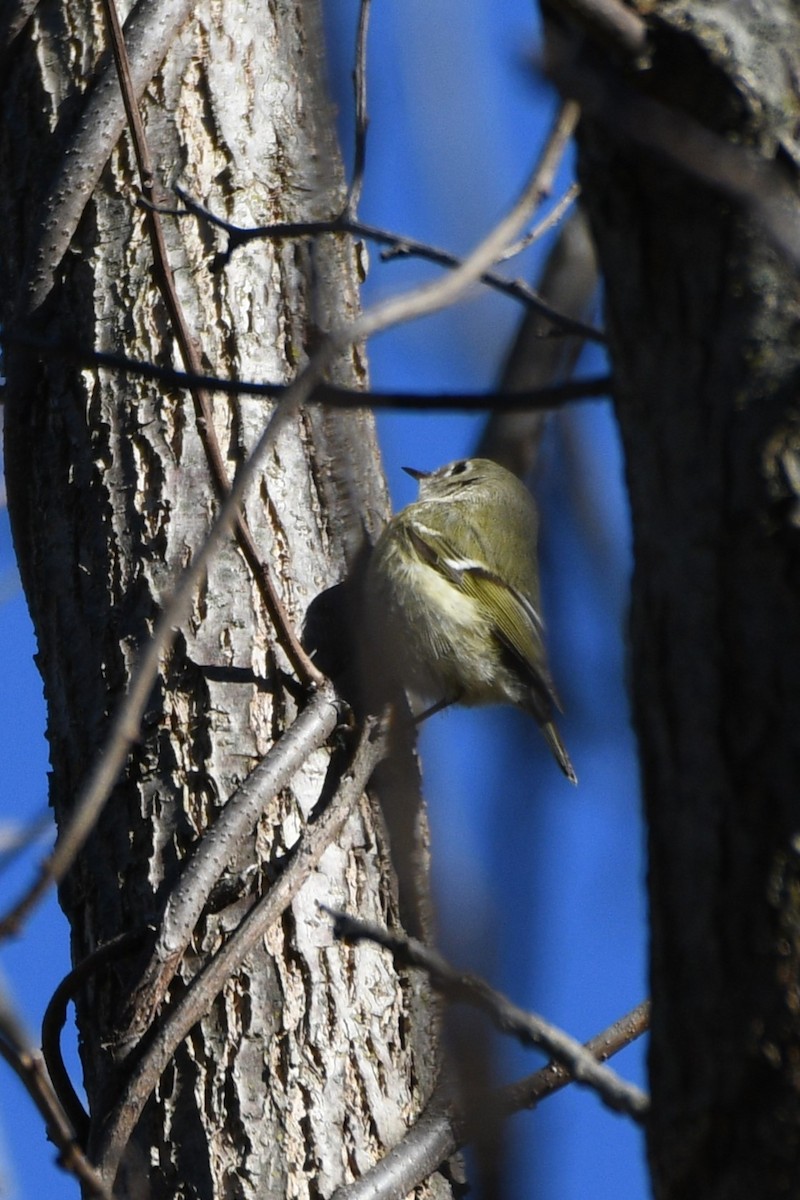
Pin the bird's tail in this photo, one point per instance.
(553, 739)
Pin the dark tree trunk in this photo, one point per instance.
(703, 315)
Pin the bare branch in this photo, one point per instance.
(516, 289)
(569, 282)
(27, 1064)
(362, 118)
(441, 1129)
(528, 1092)
(431, 1140)
(55, 1018)
(530, 1029)
(553, 396)
(434, 296)
(17, 836)
(399, 246)
(547, 223)
(236, 821)
(149, 31)
(228, 959)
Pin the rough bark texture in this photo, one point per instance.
(316, 1057)
(704, 320)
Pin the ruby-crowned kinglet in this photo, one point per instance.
(453, 595)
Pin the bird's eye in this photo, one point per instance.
(458, 468)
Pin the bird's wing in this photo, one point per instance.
(434, 548)
(517, 624)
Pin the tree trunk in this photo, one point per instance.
(315, 1057)
(703, 317)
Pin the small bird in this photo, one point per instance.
(453, 593)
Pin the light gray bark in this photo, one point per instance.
(316, 1057)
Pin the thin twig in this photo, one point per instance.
(27, 1064)
(528, 1092)
(553, 396)
(433, 1138)
(399, 246)
(569, 282)
(16, 837)
(149, 31)
(285, 632)
(546, 224)
(516, 289)
(362, 117)
(417, 302)
(55, 1017)
(214, 851)
(528, 1028)
(218, 970)
(441, 1129)
(442, 292)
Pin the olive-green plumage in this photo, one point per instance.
(453, 595)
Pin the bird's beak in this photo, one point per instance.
(415, 474)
